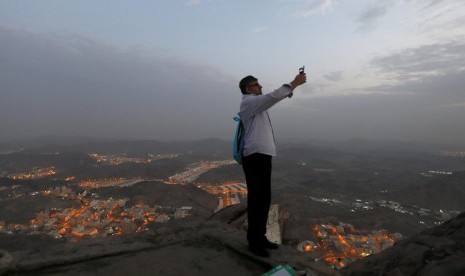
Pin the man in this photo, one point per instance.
(259, 147)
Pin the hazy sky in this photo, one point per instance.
(169, 69)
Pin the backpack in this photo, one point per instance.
(238, 143)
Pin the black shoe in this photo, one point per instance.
(269, 245)
(259, 250)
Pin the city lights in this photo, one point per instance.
(342, 244)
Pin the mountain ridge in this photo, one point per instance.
(218, 245)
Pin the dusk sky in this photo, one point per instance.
(169, 69)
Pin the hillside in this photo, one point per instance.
(436, 251)
(218, 246)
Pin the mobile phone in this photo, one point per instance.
(302, 69)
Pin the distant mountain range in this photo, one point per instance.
(345, 171)
(441, 192)
(83, 142)
(134, 147)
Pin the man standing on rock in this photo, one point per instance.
(259, 148)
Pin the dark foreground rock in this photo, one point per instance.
(218, 247)
(215, 247)
(437, 251)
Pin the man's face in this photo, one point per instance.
(254, 88)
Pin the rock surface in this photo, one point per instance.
(436, 251)
(218, 247)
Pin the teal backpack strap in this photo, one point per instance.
(238, 141)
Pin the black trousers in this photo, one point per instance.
(257, 170)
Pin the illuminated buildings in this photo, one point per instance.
(342, 244)
(194, 172)
(228, 192)
(99, 218)
(109, 182)
(112, 159)
(34, 173)
(117, 159)
(62, 191)
(460, 154)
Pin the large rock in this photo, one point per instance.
(216, 246)
(436, 251)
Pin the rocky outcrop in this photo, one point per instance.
(5, 260)
(218, 246)
(436, 251)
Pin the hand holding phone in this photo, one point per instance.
(300, 79)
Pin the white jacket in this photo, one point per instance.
(259, 137)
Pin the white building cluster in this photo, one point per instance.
(196, 170)
(96, 218)
(342, 244)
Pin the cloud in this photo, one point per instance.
(369, 17)
(421, 63)
(193, 2)
(432, 17)
(334, 76)
(433, 75)
(373, 13)
(312, 7)
(72, 85)
(422, 102)
(433, 112)
(196, 2)
(258, 30)
(440, 18)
